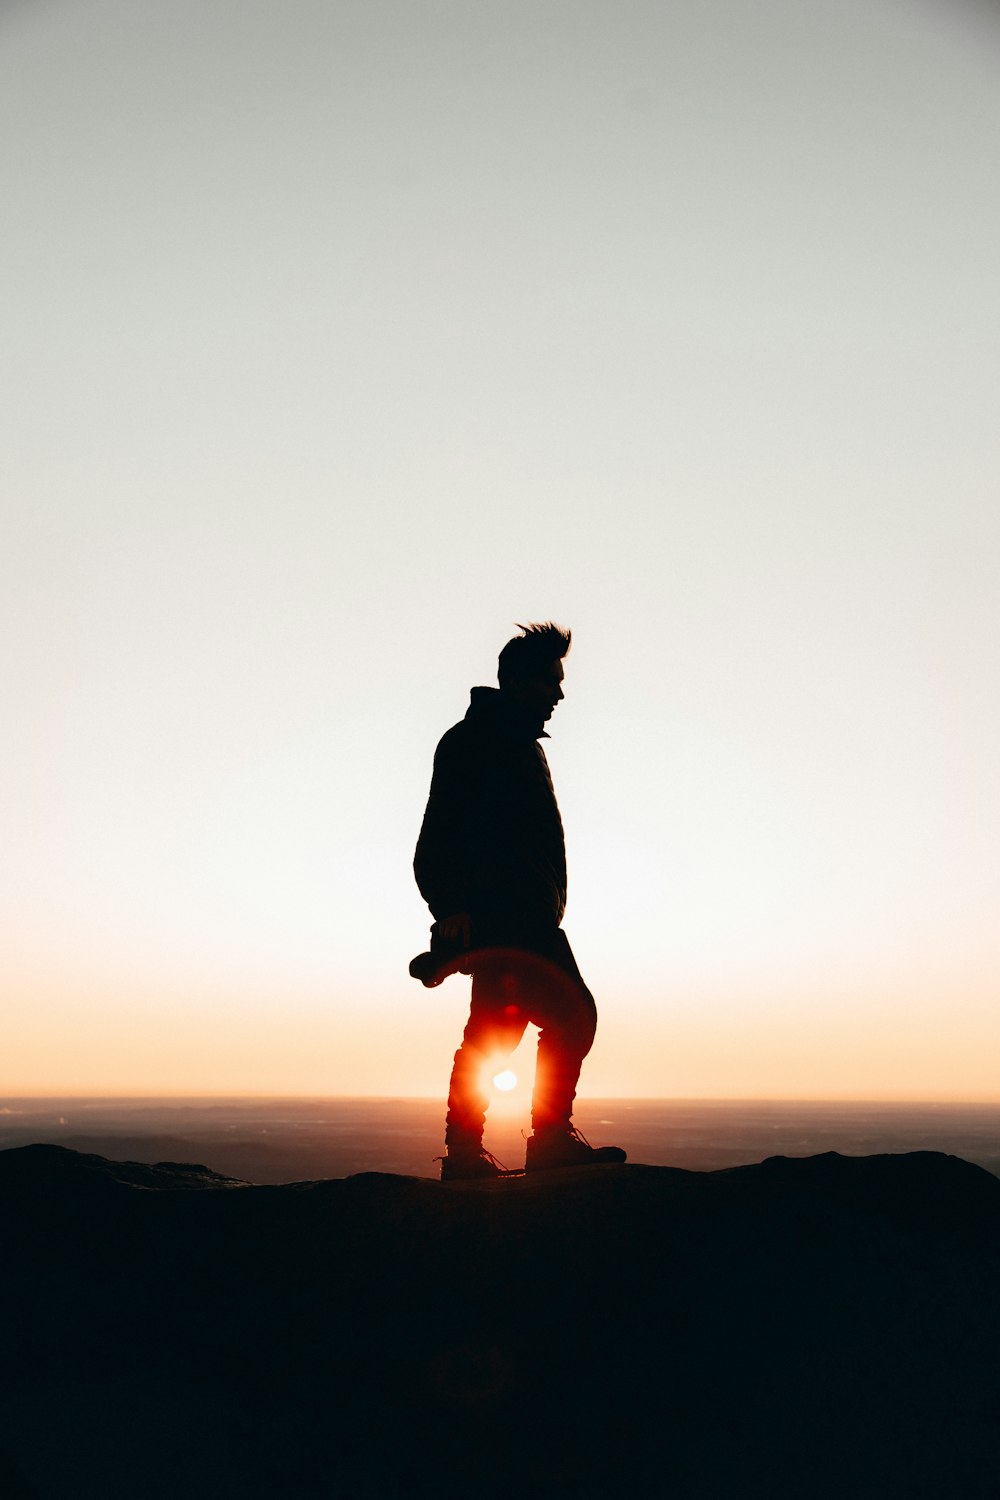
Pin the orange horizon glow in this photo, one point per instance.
(500, 1099)
(738, 1041)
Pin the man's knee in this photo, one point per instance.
(570, 1028)
(584, 1030)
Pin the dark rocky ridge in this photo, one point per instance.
(826, 1326)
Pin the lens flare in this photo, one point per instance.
(505, 1081)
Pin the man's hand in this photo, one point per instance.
(457, 926)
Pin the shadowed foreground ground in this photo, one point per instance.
(827, 1326)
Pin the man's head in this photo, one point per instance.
(530, 669)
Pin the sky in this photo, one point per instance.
(342, 335)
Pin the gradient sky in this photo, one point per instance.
(340, 336)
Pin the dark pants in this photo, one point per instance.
(511, 988)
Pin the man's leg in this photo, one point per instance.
(511, 988)
(496, 1025)
(563, 1007)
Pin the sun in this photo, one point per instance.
(505, 1081)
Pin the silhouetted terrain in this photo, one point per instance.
(820, 1327)
(287, 1140)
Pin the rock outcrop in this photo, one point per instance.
(826, 1326)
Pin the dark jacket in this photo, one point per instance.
(492, 843)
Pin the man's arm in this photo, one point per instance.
(447, 860)
(455, 927)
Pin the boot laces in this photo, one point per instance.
(571, 1133)
(481, 1155)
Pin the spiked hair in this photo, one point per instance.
(528, 654)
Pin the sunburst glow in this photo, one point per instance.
(505, 1081)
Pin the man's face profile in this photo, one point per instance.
(541, 692)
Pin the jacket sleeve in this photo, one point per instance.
(448, 857)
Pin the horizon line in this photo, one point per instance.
(397, 1098)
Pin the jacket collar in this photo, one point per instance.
(491, 708)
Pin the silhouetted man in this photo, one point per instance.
(491, 865)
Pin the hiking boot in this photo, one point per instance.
(470, 1166)
(564, 1146)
